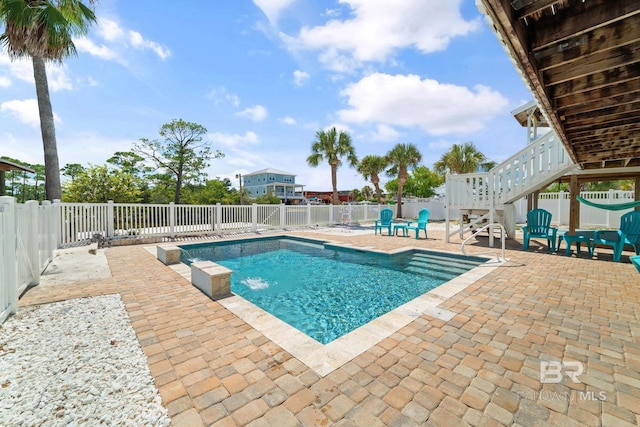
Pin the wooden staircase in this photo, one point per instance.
(488, 197)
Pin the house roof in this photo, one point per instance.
(581, 61)
(269, 170)
(6, 165)
(530, 109)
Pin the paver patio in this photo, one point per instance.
(481, 368)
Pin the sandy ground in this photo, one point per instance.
(75, 264)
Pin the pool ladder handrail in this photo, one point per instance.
(502, 234)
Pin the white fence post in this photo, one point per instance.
(560, 203)
(283, 216)
(110, 219)
(55, 226)
(172, 220)
(33, 246)
(218, 226)
(48, 228)
(331, 213)
(308, 215)
(9, 254)
(611, 196)
(254, 216)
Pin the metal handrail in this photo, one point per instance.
(502, 234)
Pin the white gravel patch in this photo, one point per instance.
(76, 362)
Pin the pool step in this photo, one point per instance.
(444, 259)
(439, 266)
(440, 275)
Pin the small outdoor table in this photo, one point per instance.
(400, 226)
(580, 236)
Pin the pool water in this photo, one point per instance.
(327, 291)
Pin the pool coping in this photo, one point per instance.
(325, 358)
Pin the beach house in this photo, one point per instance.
(275, 182)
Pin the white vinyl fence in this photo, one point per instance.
(80, 222)
(437, 209)
(590, 217)
(28, 236)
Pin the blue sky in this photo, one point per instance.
(264, 75)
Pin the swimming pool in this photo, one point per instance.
(325, 290)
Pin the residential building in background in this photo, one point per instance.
(275, 182)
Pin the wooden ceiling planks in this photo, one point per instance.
(581, 58)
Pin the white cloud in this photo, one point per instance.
(58, 78)
(384, 133)
(110, 30)
(92, 82)
(332, 12)
(256, 113)
(288, 120)
(272, 8)
(220, 94)
(140, 42)
(375, 30)
(83, 44)
(233, 140)
(407, 100)
(25, 110)
(5, 81)
(440, 145)
(300, 77)
(118, 40)
(22, 69)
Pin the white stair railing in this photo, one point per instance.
(502, 237)
(535, 166)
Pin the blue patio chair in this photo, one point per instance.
(635, 260)
(423, 218)
(539, 225)
(386, 218)
(628, 234)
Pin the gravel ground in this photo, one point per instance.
(76, 362)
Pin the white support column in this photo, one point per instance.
(8, 260)
(491, 211)
(33, 243)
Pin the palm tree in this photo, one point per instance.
(461, 158)
(370, 167)
(367, 192)
(43, 30)
(331, 146)
(402, 157)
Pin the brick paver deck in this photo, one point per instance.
(481, 368)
